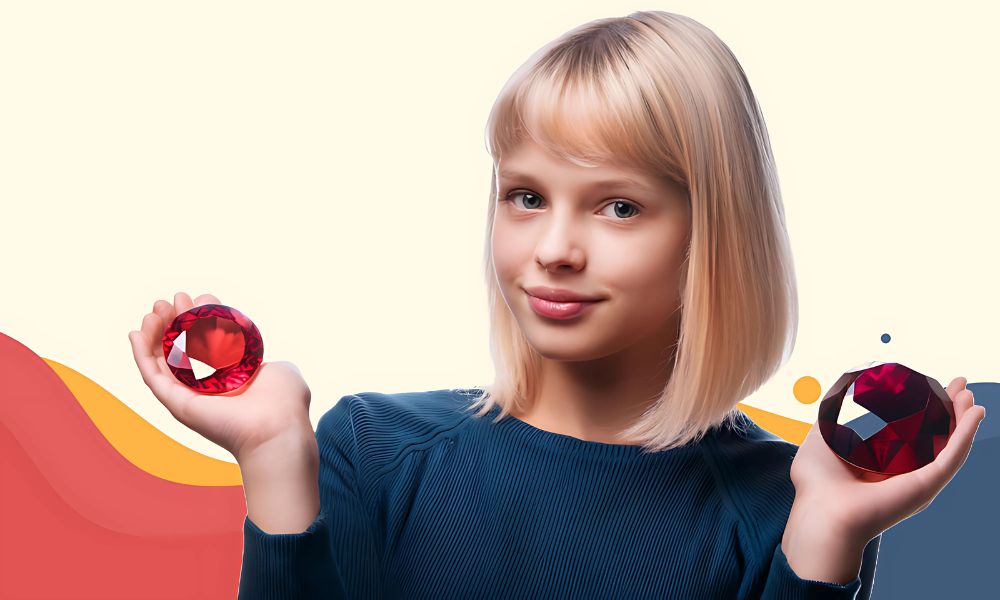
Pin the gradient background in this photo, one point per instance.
(322, 167)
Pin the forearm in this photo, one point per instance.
(817, 552)
(280, 481)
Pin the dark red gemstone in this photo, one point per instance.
(213, 348)
(909, 421)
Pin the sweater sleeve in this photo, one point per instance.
(337, 555)
(783, 584)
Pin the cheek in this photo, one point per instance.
(646, 278)
(637, 263)
(508, 252)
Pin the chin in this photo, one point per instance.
(567, 348)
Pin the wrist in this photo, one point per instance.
(818, 549)
(290, 446)
(281, 484)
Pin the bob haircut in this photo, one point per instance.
(662, 93)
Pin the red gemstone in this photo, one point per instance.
(213, 348)
(909, 421)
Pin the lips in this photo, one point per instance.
(559, 294)
(559, 310)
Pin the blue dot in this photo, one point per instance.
(885, 338)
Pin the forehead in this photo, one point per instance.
(530, 161)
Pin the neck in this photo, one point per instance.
(595, 400)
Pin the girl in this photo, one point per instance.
(641, 285)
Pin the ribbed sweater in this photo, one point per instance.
(420, 498)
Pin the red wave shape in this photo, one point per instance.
(77, 520)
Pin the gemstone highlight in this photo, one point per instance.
(213, 348)
(909, 421)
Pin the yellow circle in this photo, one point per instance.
(806, 390)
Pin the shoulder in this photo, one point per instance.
(377, 428)
(401, 413)
(752, 467)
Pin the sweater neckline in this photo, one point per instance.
(569, 442)
(535, 436)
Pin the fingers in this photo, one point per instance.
(162, 385)
(206, 299)
(141, 351)
(143, 355)
(182, 302)
(959, 444)
(166, 312)
(163, 314)
(147, 346)
(953, 455)
(147, 350)
(922, 485)
(152, 329)
(956, 386)
(964, 401)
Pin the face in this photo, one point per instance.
(557, 225)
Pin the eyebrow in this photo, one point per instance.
(604, 183)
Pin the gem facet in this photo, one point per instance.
(909, 421)
(213, 348)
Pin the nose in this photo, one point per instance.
(560, 246)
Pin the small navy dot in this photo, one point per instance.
(885, 338)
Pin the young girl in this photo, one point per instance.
(641, 285)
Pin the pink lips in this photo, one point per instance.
(559, 310)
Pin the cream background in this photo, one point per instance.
(323, 169)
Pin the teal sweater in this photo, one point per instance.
(422, 499)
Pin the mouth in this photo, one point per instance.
(560, 310)
(553, 294)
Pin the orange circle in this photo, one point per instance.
(806, 389)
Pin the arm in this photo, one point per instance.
(833, 499)
(784, 583)
(286, 550)
(308, 531)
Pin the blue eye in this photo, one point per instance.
(510, 198)
(618, 203)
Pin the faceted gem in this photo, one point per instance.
(909, 421)
(213, 348)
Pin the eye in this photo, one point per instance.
(509, 197)
(535, 198)
(620, 203)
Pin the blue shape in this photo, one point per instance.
(885, 338)
(949, 549)
(957, 533)
(867, 425)
(987, 393)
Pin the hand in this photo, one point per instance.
(858, 505)
(272, 405)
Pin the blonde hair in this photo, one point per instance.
(661, 93)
